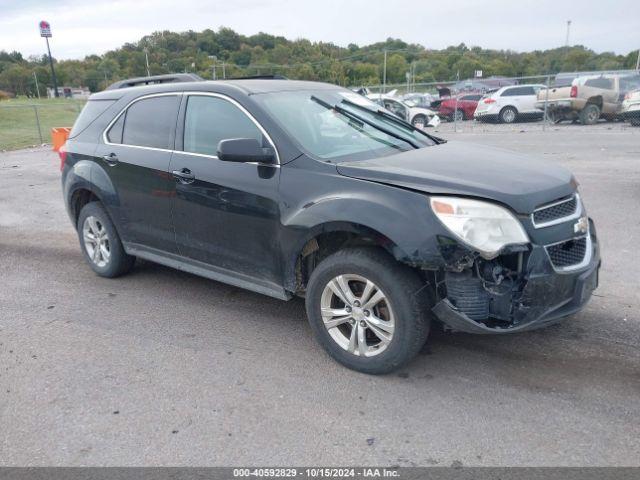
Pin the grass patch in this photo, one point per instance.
(18, 125)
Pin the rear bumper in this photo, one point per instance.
(486, 116)
(544, 297)
(564, 105)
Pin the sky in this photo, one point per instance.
(82, 27)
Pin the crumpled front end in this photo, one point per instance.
(524, 288)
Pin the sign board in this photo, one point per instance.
(478, 74)
(45, 29)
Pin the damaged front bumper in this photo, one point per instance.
(539, 294)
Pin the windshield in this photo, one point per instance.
(339, 124)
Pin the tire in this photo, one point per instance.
(458, 116)
(590, 114)
(110, 260)
(419, 120)
(508, 115)
(635, 121)
(403, 308)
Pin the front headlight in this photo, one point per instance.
(485, 227)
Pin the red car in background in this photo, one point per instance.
(459, 108)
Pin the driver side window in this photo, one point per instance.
(208, 120)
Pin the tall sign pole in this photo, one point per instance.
(45, 31)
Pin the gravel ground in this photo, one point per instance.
(165, 368)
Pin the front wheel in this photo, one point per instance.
(366, 310)
(419, 121)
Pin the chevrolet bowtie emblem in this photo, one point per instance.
(581, 226)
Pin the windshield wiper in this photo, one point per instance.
(362, 120)
(394, 119)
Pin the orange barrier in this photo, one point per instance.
(59, 135)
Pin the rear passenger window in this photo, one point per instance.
(150, 122)
(517, 91)
(211, 119)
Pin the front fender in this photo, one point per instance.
(318, 201)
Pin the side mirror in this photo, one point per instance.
(246, 150)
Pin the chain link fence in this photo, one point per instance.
(498, 104)
(26, 123)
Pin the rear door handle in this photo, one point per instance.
(111, 159)
(184, 175)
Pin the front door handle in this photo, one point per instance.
(184, 175)
(111, 159)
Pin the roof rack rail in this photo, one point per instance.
(155, 79)
(259, 77)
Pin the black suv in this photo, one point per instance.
(293, 188)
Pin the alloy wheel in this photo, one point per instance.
(508, 116)
(96, 241)
(357, 315)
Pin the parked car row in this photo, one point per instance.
(586, 99)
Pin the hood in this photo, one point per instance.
(459, 168)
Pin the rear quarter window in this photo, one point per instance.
(91, 111)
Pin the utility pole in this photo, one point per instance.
(638, 61)
(146, 59)
(224, 71)
(384, 73)
(215, 59)
(35, 77)
(566, 42)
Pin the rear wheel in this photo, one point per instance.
(590, 114)
(458, 116)
(366, 310)
(635, 121)
(100, 242)
(508, 115)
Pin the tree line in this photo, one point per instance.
(231, 54)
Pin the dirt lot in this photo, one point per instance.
(165, 368)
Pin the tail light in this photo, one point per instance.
(62, 152)
(574, 91)
(489, 100)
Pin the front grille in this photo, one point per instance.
(569, 253)
(557, 211)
